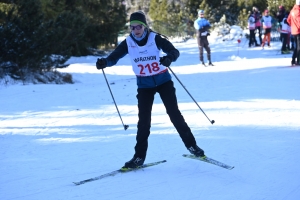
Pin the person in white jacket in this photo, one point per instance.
(251, 27)
(284, 32)
(267, 26)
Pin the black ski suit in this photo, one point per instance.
(147, 88)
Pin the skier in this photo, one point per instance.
(257, 17)
(279, 16)
(202, 26)
(294, 22)
(144, 47)
(251, 27)
(267, 26)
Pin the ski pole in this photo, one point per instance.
(211, 121)
(125, 126)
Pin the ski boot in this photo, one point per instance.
(210, 63)
(135, 162)
(195, 150)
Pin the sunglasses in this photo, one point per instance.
(137, 27)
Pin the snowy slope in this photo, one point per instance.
(52, 135)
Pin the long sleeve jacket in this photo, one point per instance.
(251, 22)
(202, 25)
(285, 27)
(149, 81)
(294, 20)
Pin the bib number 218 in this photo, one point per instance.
(149, 68)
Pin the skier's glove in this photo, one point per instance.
(101, 63)
(165, 60)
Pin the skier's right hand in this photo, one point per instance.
(101, 63)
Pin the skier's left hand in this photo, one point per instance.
(165, 60)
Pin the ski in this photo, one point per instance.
(122, 170)
(209, 160)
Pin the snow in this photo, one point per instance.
(52, 135)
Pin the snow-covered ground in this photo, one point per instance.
(52, 135)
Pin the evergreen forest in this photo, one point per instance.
(41, 35)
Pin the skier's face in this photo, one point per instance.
(137, 29)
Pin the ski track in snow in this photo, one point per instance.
(53, 135)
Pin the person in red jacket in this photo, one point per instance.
(294, 22)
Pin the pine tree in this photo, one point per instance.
(103, 21)
(193, 7)
(52, 8)
(273, 5)
(24, 37)
(28, 42)
(243, 18)
(159, 15)
(208, 11)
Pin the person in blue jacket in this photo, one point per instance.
(202, 26)
(144, 47)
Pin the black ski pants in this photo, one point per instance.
(296, 54)
(145, 99)
(203, 43)
(284, 37)
(252, 40)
